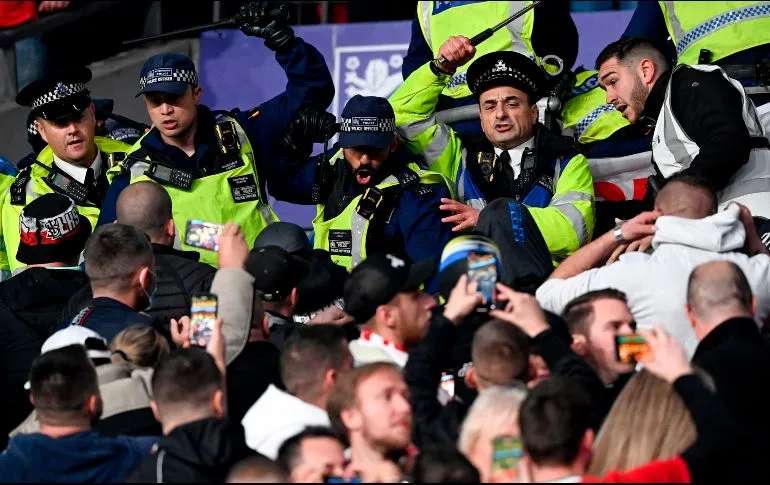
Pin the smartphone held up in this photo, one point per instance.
(203, 315)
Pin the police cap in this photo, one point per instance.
(506, 68)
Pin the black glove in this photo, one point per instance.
(312, 125)
(269, 22)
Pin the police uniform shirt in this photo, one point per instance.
(517, 153)
(76, 171)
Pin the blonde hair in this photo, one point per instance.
(140, 345)
(647, 422)
(495, 408)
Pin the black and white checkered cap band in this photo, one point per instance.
(368, 123)
(32, 128)
(501, 70)
(168, 74)
(59, 91)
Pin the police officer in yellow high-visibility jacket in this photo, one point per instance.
(543, 31)
(74, 163)
(518, 159)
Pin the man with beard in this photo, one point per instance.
(370, 197)
(702, 122)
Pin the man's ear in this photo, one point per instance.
(330, 377)
(170, 228)
(265, 325)
(385, 315)
(648, 71)
(470, 379)
(155, 411)
(92, 404)
(218, 404)
(197, 93)
(41, 130)
(352, 419)
(690, 314)
(293, 296)
(534, 113)
(579, 344)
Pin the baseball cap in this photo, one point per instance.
(378, 279)
(167, 73)
(275, 272)
(286, 235)
(95, 345)
(367, 121)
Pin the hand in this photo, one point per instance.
(311, 125)
(259, 19)
(666, 358)
(464, 216)
(521, 310)
(457, 50)
(640, 245)
(180, 332)
(233, 249)
(463, 300)
(753, 244)
(640, 226)
(53, 6)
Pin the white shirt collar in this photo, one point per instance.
(77, 172)
(516, 154)
(371, 339)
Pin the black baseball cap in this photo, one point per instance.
(379, 278)
(285, 235)
(275, 272)
(168, 73)
(367, 121)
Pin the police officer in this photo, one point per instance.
(115, 126)
(702, 122)
(545, 31)
(518, 159)
(73, 163)
(371, 196)
(212, 162)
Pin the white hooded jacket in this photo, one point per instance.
(276, 417)
(656, 284)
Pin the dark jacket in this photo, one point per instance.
(201, 451)
(26, 320)
(255, 368)
(709, 110)
(83, 457)
(109, 317)
(179, 276)
(435, 423)
(736, 357)
(308, 82)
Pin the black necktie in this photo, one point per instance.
(506, 184)
(97, 186)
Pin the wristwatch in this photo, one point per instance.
(617, 233)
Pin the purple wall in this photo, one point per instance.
(365, 58)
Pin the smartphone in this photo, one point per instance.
(204, 235)
(507, 450)
(630, 349)
(482, 268)
(203, 314)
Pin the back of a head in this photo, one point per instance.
(322, 285)
(256, 469)
(500, 353)
(141, 345)
(444, 464)
(686, 196)
(630, 50)
(308, 353)
(290, 452)
(114, 253)
(553, 420)
(343, 395)
(495, 408)
(61, 381)
(185, 381)
(287, 236)
(647, 422)
(718, 287)
(145, 206)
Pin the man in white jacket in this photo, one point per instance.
(687, 231)
(312, 360)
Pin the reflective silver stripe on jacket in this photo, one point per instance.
(576, 219)
(358, 226)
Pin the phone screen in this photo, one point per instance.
(203, 314)
(507, 450)
(630, 349)
(204, 235)
(482, 268)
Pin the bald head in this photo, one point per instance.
(718, 290)
(686, 197)
(147, 207)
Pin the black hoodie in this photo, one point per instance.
(201, 451)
